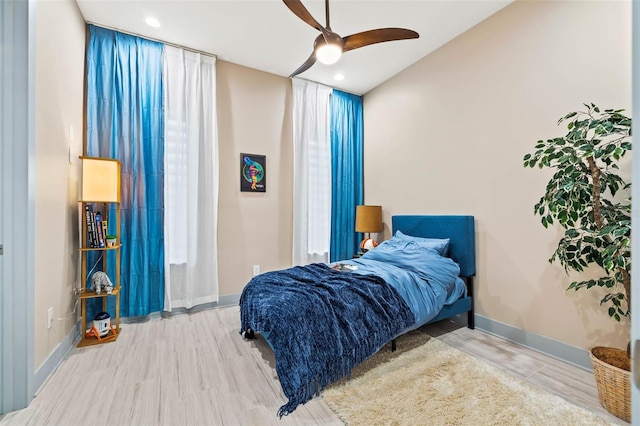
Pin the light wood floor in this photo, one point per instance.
(195, 369)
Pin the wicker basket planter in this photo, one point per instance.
(614, 384)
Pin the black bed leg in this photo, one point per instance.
(471, 320)
(393, 345)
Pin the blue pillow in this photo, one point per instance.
(441, 245)
(411, 256)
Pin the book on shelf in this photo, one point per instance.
(88, 219)
(94, 234)
(99, 233)
(105, 228)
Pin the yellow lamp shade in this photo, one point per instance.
(100, 180)
(369, 219)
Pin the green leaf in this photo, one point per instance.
(619, 232)
(571, 233)
(605, 138)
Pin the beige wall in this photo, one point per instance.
(60, 39)
(448, 135)
(254, 116)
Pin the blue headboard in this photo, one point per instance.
(459, 229)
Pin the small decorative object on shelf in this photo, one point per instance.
(100, 202)
(100, 281)
(102, 328)
(111, 240)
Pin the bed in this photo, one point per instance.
(322, 320)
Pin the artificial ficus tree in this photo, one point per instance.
(587, 196)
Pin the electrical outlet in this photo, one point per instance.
(49, 317)
(256, 270)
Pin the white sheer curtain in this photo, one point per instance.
(191, 179)
(311, 172)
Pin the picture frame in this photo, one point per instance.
(253, 173)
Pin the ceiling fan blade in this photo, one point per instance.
(307, 64)
(301, 12)
(380, 35)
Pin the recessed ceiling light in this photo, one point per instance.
(152, 22)
(339, 77)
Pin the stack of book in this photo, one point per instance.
(96, 227)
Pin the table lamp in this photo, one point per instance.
(368, 220)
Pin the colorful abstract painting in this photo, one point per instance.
(253, 173)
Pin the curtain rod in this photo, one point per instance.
(153, 39)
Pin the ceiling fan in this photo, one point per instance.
(329, 46)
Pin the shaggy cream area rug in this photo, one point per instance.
(427, 382)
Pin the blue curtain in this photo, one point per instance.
(347, 188)
(125, 120)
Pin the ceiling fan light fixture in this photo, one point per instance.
(329, 46)
(328, 53)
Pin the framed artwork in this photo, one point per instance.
(253, 173)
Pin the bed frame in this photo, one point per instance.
(462, 249)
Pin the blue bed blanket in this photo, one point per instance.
(321, 323)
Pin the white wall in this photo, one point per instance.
(448, 135)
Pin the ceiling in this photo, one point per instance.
(266, 35)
